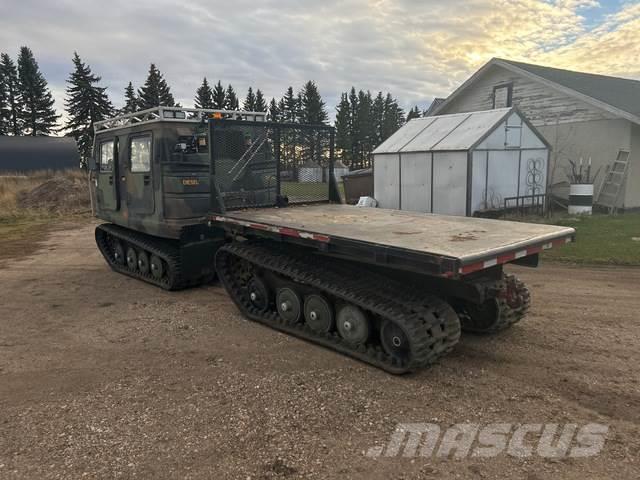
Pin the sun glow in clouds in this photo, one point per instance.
(415, 49)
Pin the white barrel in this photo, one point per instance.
(581, 198)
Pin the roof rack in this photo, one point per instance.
(173, 114)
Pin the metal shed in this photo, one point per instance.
(25, 154)
(461, 164)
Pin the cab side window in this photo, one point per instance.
(140, 154)
(106, 156)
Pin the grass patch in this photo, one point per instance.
(310, 191)
(600, 240)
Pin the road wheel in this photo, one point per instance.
(143, 262)
(258, 293)
(353, 325)
(132, 259)
(289, 305)
(395, 341)
(318, 313)
(156, 266)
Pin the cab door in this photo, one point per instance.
(138, 178)
(107, 176)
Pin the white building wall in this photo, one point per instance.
(502, 177)
(386, 176)
(478, 180)
(450, 183)
(415, 173)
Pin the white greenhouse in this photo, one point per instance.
(462, 164)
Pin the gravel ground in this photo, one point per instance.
(102, 376)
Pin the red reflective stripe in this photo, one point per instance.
(321, 238)
(533, 250)
(507, 257)
(289, 232)
(510, 256)
(473, 267)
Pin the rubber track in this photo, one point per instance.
(173, 278)
(430, 324)
(507, 315)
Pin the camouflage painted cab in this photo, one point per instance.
(152, 183)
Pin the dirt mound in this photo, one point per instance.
(60, 194)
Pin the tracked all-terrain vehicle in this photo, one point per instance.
(189, 194)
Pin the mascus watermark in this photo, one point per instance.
(463, 440)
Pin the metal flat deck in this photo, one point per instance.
(466, 239)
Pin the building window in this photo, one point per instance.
(140, 154)
(502, 96)
(106, 156)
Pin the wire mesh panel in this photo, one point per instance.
(257, 164)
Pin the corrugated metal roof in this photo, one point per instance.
(459, 131)
(404, 135)
(37, 153)
(621, 93)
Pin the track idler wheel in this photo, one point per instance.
(353, 325)
(289, 305)
(318, 313)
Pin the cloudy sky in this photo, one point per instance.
(417, 49)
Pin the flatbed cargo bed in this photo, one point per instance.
(446, 245)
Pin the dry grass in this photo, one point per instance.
(18, 221)
(12, 185)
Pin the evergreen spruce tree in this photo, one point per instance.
(38, 114)
(10, 110)
(261, 104)
(231, 99)
(393, 117)
(4, 125)
(131, 99)
(86, 103)
(366, 130)
(414, 113)
(155, 91)
(343, 129)
(290, 110)
(273, 114)
(204, 95)
(378, 118)
(312, 107)
(249, 104)
(219, 96)
(354, 130)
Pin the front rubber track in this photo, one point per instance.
(168, 251)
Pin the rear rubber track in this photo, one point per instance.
(430, 324)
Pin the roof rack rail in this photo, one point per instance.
(173, 114)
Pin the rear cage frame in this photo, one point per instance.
(218, 206)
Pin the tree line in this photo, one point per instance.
(27, 107)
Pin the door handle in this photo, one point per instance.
(147, 179)
(123, 179)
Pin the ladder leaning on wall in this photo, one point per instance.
(614, 181)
